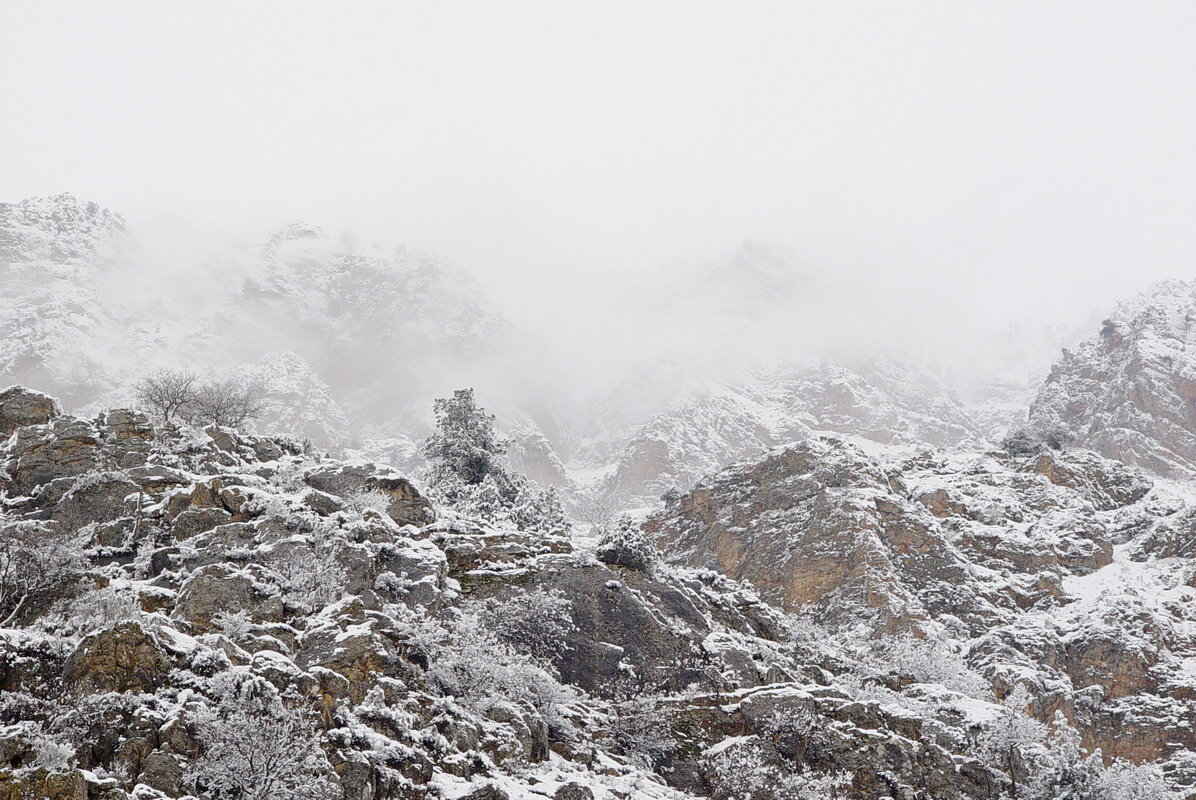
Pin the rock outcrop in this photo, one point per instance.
(1043, 571)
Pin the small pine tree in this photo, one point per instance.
(465, 444)
(467, 472)
(1021, 443)
(1057, 438)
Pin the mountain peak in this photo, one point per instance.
(59, 226)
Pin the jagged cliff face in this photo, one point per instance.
(1129, 391)
(55, 253)
(1065, 573)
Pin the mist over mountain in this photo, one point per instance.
(363, 339)
(612, 400)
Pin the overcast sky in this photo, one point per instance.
(983, 159)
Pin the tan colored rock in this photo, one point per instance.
(126, 658)
(41, 784)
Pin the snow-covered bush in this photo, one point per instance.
(236, 625)
(93, 610)
(1122, 780)
(310, 576)
(1026, 442)
(481, 671)
(468, 661)
(535, 622)
(1063, 771)
(624, 544)
(642, 731)
(750, 769)
(931, 661)
(366, 499)
(1013, 742)
(267, 750)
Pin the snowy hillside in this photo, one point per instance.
(207, 613)
(880, 400)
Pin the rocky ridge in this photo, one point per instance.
(878, 400)
(419, 653)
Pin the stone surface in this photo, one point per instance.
(20, 406)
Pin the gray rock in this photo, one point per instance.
(573, 791)
(215, 588)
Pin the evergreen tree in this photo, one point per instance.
(467, 471)
(465, 444)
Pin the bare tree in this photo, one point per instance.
(167, 392)
(598, 509)
(230, 402)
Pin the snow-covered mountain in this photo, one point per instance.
(943, 595)
(370, 337)
(880, 400)
(57, 259)
(1129, 390)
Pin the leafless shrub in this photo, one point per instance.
(37, 563)
(167, 393)
(231, 402)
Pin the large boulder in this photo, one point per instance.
(217, 588)
(20, 406)
(124, 658)
(342, 638)
(350, 479)
(64, 447)
(97, 497)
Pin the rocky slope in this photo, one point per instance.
(1062, 573)
(1129, 391)
(399, 649)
